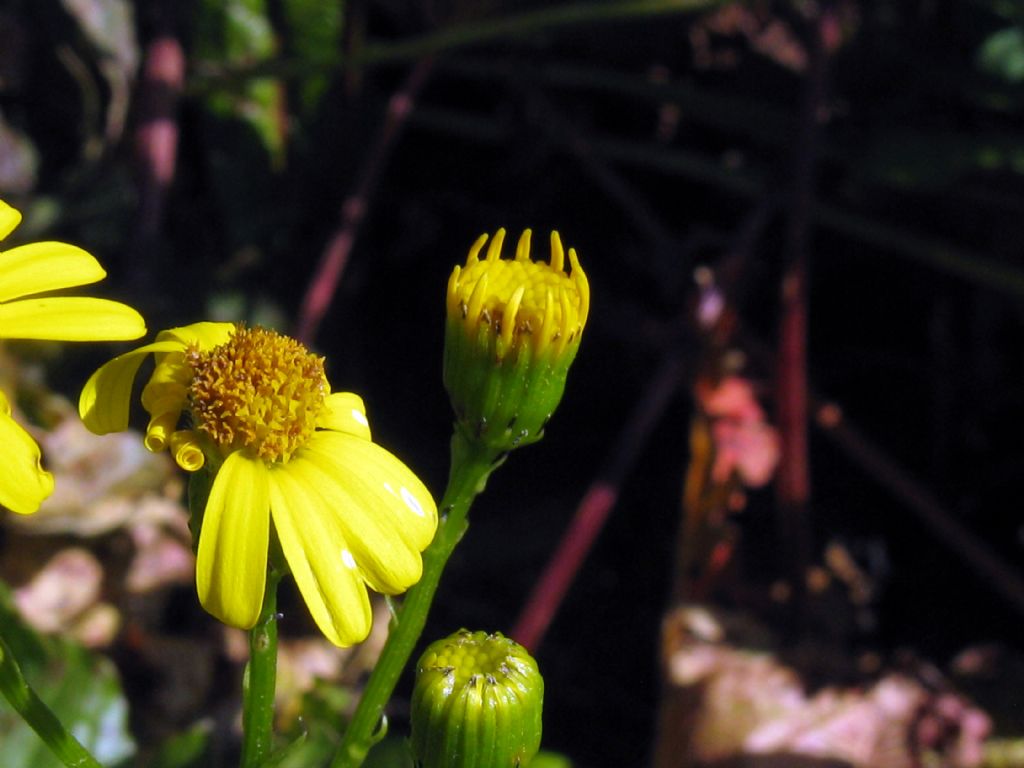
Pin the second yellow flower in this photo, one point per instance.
(258, 408)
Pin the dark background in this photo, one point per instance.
(649, 141)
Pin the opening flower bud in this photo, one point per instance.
(513, 329)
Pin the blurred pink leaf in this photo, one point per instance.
(744, 441)
(64, 597)
(749, 703)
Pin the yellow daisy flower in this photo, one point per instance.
(257, 406)
(26, 271)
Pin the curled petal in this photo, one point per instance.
(320, 557)
(47, 266)
(345, 412)
(103, 404)
(231, 564)
(70, 318)
(185, 449)
(159, 430)
(24, 484)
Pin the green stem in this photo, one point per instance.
(471, 465)
(39, 717)
(260, 680)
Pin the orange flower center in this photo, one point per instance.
(259, 391)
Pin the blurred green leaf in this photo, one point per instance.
(243, 124)
(316, 749)
(318, 732)
(185, 750)
(315, 29)
(294, 750)
(550, 760)
(392, 752)
(81, 689)
(931, 159)
(1002, 55)
(315, 735)
(109, 25)
(239, 33)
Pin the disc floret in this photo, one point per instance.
(259, 391)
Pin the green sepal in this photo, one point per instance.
(502, 401)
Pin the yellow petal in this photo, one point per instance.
(205, 335)
(231, 564)
(23, 482)
(387, 562)
(48, 266)
(345, 412)
(70, 318)
(167, 387)
(385, 495)
(324, 567)
(9, 219)
(103, 404)
(186, 450)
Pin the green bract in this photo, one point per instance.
(477, 703)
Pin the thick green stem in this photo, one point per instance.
(471, 464)
(39, 717)
(260, 681)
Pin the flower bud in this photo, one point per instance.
(477, 703)
(512, 331)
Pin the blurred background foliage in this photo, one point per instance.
(228, 159)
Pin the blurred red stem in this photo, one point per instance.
(156, 152)
(324, 283)
(793, 483)
(592, 511)
(156, 139)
